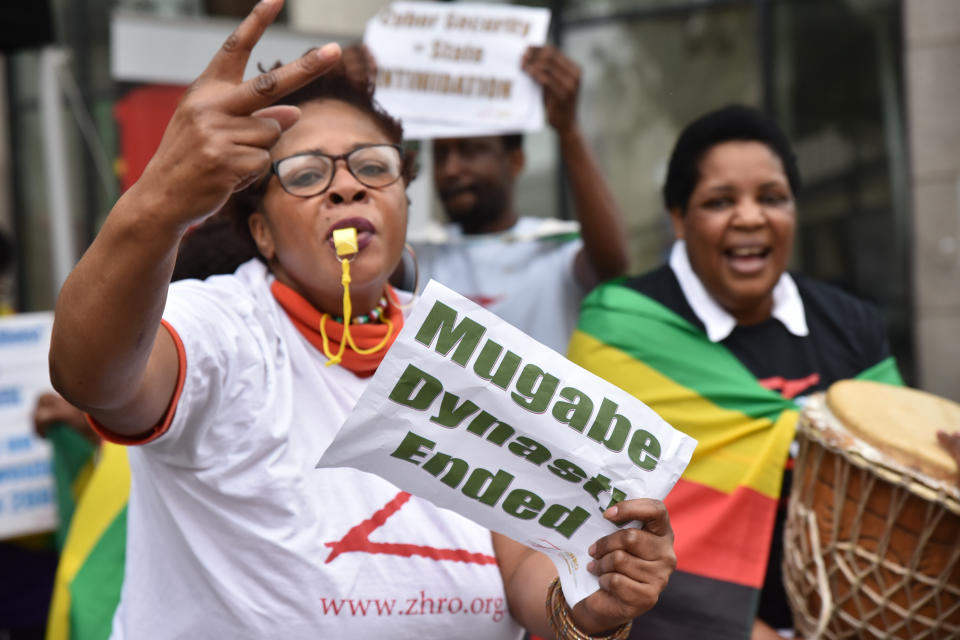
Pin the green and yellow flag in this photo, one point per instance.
(73, 462)
(90, 573)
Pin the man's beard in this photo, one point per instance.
(488, 206)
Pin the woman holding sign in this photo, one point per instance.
(224, 386)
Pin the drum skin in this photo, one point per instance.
(871, 550)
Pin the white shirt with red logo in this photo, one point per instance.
(234, 534)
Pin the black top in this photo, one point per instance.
(846, 336)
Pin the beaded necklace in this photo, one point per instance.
(374, 316)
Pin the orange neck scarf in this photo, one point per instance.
(366, 336)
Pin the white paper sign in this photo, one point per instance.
(472, 414)
(27, 499)
(451, 69)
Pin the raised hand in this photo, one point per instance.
(632, 565)
(52, 409)
(560, 78)
(219, 138)
(124, 368)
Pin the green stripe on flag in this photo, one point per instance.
(95, 591)
(616, 315)
(885, 371)
(72, 465)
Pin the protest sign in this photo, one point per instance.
(451, 69)
(472, 414)
(27, 498)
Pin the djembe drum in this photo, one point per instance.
(872, 538)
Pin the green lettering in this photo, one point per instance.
(488, 358)
(523, 504)
(575, 413)
(530, 450)
(439, 463)
(563, 520)
(567, 470)
(610, 428)
(500, 433)
(597, 485)
(644, 450)
(439, 326)
(600, 484)
(617, 497)
(450, 415)
(413, 446)
(535, 388)
(486, 486)
(412, 380)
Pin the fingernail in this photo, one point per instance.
(593, 549)
(611, 512)
(328, 51)
(591, 566)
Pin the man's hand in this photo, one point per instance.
(632, 565)
(560, 78)
(52, 409)
(219, 138)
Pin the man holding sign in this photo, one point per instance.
(531, 271)
(225, 387)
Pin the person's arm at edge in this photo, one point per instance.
(606, 251)
(109, 354)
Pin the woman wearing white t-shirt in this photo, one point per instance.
(231, 531)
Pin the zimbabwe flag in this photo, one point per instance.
(724, 507)
(90, 574)
(73, 462)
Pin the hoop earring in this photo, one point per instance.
(416, 279)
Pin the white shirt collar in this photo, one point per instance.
(787, 305)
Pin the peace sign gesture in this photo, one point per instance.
(219, 138)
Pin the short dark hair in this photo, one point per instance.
(334, 85)
(731, 123)
(212, 248)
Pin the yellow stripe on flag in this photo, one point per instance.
(80, 482)
(105, 497)
(733, 450)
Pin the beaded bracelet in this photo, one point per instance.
(562, 621)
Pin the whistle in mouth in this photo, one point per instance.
(345, 241)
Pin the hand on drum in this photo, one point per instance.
(951, 442)
(632, 565)
(219, 139)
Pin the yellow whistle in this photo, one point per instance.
(345, 241)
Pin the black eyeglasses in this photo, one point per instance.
(310, 174)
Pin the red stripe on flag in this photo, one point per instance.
(722, 536)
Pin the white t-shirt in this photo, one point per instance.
(232, 532)
(524, 275)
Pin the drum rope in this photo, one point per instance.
(823, 585)
(835, 544)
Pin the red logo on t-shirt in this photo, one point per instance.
(358, 539)
(790, 389)
(485, 301)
